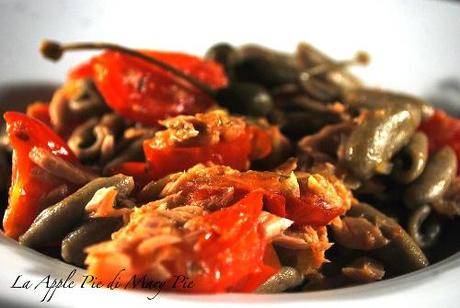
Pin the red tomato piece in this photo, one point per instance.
(138, 170)
(26, 189)
(275, 203)
(253, 281)
(311, 209)
(232, 250)
(170, 159)
(146, 93)
(442, 130)
(262, 142)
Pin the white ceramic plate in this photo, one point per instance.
(415, 47)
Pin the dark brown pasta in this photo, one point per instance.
(401, 254)
(131, 150)
(87, 139)
(54, 196)
(424, 236)
(382, 133)
(412, 159)
(97, 138)
(58, 220)
(363, 98)
(449, 204)
(91, 232)
(87, 102)
(434, 181)
(309, 56)
(287, 278)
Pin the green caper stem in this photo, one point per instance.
(361, 58)
(53, 50)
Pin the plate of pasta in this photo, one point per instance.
(230, 168)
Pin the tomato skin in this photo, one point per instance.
(146, 93)
(253, 143)
(232, 249)
(254, 280)
(275, 203)
(26, 190)
(138, 170)
(311, 209)
(166, 160)
(441, 130)
(262, 143)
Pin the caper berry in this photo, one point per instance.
(264, 71)
(221, 53)
(246, 98)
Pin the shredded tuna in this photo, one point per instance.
(59, 167)
(358, 233)
(364, 270)
(202, 128)
(102, 204)
(305, 249)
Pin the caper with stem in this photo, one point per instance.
(245, 98)
(222, 53)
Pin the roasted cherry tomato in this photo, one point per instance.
(275, 203)
(146, 93)
(27, 187)
(442, 130)
(236, 153)
(232, 249)
(312, 209)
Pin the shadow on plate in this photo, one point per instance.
(447, 95)
(47, 265)
(16, 96)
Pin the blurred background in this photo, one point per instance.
(414, 45)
